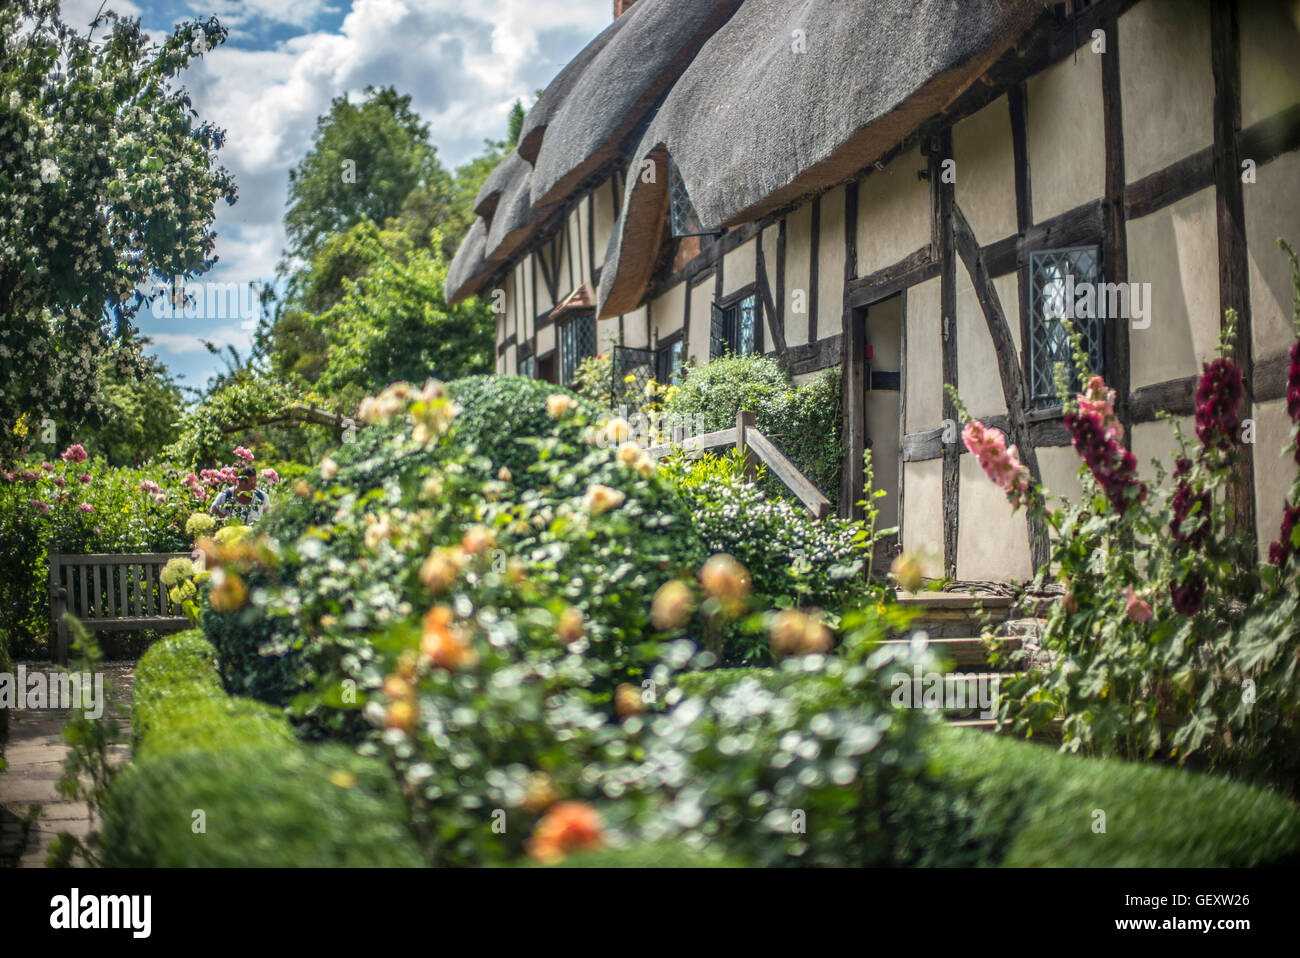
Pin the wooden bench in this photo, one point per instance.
(107, 592)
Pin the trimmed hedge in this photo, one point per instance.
(992, 800)
(654, 855)
(267, 799)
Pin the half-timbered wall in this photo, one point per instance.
(1136, 150)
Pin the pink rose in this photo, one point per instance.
(60, 481)
(86, 507)
(1137, 609)
(39, 505)
(75, 454)
(271, 476)
(47, 467)
(148, 485)
(244, 454)
(84, 477)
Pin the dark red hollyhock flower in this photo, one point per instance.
(1188, 595)
(1185, 498)
(1293, 385)
(1218, 398)
(1114, 467)
(1280, 550)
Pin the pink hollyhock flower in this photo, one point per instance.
(244, 454)
(60, 481)
(47, 467)
(148, 485)
(84, 477)
(75, 453)
(160, 497)
(1095, 435)
(86, 507)
(1001, 464)
(1137, 609)
(26, 475)
(39, 505)
(271, 476)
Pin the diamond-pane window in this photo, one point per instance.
(632, 368)
(734, 328)
(680, 210)
(1056, 279)
(528, 367)
(577, 342)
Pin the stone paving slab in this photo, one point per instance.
(35, 754)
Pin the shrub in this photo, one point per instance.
(1014, 803)
(351, 547)
(656, 855)
(792, 558)
(804, 422)
(987, 800)
(268, 801)
(264, 807)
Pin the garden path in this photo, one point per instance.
(35, 754)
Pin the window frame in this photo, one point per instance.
(731, 305)
(567, 367)
(1046, 403)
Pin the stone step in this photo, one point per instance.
(966, 650)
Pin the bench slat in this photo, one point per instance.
(118, 558)
(130, 625)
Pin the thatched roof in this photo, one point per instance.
(787, 99)
(654, 43)
(470, 266)
(539, 117)
(515, 218)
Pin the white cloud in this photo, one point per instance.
(186, 343)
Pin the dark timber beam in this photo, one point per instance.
(1114, 250)
(773, 318)
(1234, 282)
(1013, 383)
(944, 204)
(853, 389)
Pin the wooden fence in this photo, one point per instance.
(752, 444)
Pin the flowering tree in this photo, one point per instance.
(108, 183)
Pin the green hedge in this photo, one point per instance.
(268, 800)
(653, 855)
(992, 800)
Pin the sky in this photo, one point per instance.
(464, 62)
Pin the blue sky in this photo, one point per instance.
(464, 62)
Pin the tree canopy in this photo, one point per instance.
(107, 190)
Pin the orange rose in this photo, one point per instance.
(440, 643)
(567, 828)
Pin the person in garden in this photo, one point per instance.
(244, 500)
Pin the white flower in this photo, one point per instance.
(49, 170)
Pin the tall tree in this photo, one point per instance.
(365, 159)
(107, 190)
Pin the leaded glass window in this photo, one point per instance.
(669, 361)
(1063, 285)
(577, 342)
(734, 328)
(528, 367)
(681, 212)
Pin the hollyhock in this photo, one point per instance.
(1188, 595)
(1185, 499)
(148, 485)
(1000, 463)
(1138, 610)
(1281, 548)
(244, 454)
(1218, 398)
(84, 478)
(75, 454)
(47, 467)
(1095, 434)
(26, 475)
(86, 507)
(39, 505)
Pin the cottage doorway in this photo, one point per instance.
(881, 401)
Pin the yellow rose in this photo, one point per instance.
(672, 605)
(601, 498)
